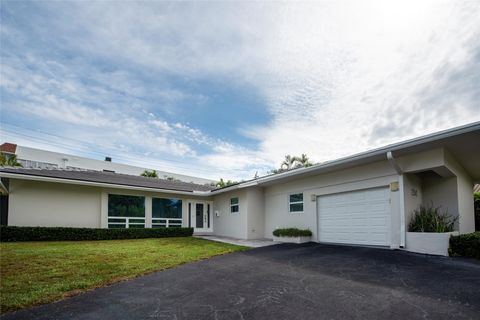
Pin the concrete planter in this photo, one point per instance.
(429, 242)
(292, 239)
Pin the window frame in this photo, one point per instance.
(237, 205)
(296, 202)
(128, 224)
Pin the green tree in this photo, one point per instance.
(222, 183)
(151, 174)
(303, 161)
(288, 163)
(293, 162)
(7, 160)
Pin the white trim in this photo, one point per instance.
(401, 188)
(193, 212)
(127, 222)
(167, 222)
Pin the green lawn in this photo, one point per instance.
(39, 272)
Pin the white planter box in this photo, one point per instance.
(429, 242)
(292, 239)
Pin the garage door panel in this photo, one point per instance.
(358, 217)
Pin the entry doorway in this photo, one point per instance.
(200, 216)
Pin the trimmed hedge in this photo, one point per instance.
(467, 245)
(292, 232)
(12, 233)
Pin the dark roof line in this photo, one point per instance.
(110, 178)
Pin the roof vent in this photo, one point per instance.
(108, 159)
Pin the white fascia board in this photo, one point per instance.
(99, 184)
(234, 187)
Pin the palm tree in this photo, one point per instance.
(222, 183)
(9, 160)
(288, 163)
(303, 161)
(150, 174)
(293, 163)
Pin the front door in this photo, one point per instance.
(200, 216)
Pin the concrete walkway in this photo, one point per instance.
(247, 243)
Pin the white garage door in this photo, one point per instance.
(357, 217)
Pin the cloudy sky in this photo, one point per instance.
(227, 89)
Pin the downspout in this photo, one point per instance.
(396, 167)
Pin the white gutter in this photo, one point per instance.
(100, 184)
(401, 188)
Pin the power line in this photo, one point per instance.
(86, 150)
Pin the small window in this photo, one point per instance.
(234, 205)
(295, 201)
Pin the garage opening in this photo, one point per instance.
(357, 217)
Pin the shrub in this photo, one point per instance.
(292, 232)
(467, 245)
(12, 233)
(476, 196)
(430, 219)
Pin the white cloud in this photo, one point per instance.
(338, 78)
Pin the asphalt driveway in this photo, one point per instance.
(309, 281)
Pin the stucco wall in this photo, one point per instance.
(441, 192)
(277, 213)
(45, 204)
(255, 213)
(466, 209)
(227, 223)
(412, 195)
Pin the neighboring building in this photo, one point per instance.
(365, 199)
(42, 159)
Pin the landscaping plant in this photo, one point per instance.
(292, 232)
(467, 245)
(430, 219)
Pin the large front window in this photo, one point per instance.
(166, 213)
(126, 211)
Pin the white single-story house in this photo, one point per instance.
(364, 199)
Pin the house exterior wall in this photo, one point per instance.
(227, 223)
(46, 204)
(255, 213)
(412, 195)
(466, 210)
(441, 192)
(51, 204)
(277, 215)
(421, 161)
